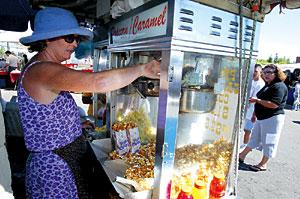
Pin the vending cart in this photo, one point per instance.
(178, 135)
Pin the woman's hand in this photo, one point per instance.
(151, 69)
(265, 103)
(253, 99)
(253, 118)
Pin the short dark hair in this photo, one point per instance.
(37, 46)
(257, 66)
(7, 52)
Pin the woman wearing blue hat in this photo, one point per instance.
(49, 114)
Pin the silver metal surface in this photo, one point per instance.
(100, 63)
(171, 72)
(197, 22)
(152, 44)
(188, 114)
(197, 100)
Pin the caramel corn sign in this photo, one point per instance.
(150, 23)
(221, 120)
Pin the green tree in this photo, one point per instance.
(270, 59)
(262, 61)
(276, 59)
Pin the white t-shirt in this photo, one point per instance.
(255, 87)
(12, 60)
(297, 90)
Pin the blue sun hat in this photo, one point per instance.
(54, 22)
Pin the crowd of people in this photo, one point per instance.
(11, 61)
(293, 84)
(10, 66)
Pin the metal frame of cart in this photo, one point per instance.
(176, 28)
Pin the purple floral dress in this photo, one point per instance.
(49, 127)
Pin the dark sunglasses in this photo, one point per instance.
(71, 38)
(268, 72)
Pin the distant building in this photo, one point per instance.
(297, 59)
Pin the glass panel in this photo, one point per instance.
(137, 102)
(208, 107)
(103, 60)
(134, 111)
(99, 103)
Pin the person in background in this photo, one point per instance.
(296, 94)
(101, 106)
(86, 123)
(288, 79)
(256, 85)
(49, 114)
(295, 76)
(25, 59)
(11, 61)
(23, 62)
(87, 98)
(2, 63)
(269, 116)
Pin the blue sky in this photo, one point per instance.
(280, 33)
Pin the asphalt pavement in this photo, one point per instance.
(282, 178)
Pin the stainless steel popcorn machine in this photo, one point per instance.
(192, 114)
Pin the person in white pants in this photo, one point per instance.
(257, 84)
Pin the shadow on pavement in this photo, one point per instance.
(296, 122)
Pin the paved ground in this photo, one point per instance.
(280, 181)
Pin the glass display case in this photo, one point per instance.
(137, 102)
(206, 120)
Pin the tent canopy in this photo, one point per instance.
(15, 14)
